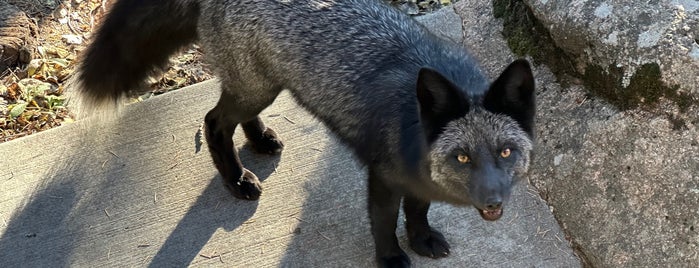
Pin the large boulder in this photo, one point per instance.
(620, 171)
(619, 41)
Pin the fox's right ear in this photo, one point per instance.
(440, 101)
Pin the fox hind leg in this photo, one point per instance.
(263, 139)
(234, 108)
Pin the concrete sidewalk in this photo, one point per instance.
(134, 192)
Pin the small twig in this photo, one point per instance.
(532, 194)
(214, 255)
(107, 213)
(145, 259)
(582, 101)
(174, 138)
(287, 119)
(92, 16)
(70, 26)
(12, 72)
(559, 239)
(105, 162)
(25, 127)
(155, 198)
(321, 234)
(173, 166)
(114, 154)
(55, 197)
(72, 29)
(319, 150)
(143, 246)
(12, 175)
(513, 219)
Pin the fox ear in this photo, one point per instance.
(440, 101)
(512, 94)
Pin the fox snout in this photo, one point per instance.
(493, 203)
(490, 189)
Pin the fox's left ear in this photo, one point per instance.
(512, 94)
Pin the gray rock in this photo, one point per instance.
(627, 186)
(628, 34)
(624, 184)
(442, 24)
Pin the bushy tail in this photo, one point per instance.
(135, 38)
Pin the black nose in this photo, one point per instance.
(493, 203)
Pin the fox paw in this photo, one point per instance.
(430, 244)
(402, 260)
(247, 187)
(268, 143)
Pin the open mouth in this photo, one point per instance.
(490, 215)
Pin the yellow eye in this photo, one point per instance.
(463, 158)
(505, 153)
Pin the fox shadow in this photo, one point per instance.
(214, 208)
(40, 226)
(333, 228)
(99, 192)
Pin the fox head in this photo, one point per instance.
(478, 145)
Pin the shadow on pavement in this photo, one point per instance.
(36, 228)
(333, 228)
(198, 225)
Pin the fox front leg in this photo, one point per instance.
(424, 240)
(384, 204)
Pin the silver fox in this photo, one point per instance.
(416, 110)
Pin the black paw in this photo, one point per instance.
(268, 143)
(248, 187)
(430, 244)
(401, 260)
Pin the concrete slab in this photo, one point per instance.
(134, 192)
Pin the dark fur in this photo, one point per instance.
(136, 38)
(405, 101)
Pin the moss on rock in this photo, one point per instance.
(645, 88)
(525, 35)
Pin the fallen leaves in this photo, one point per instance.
(34, 103)
(31, 96)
